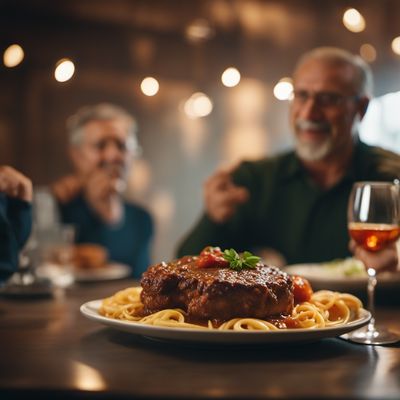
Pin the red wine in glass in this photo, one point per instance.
(374, 223)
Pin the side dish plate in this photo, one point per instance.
(109, 272)
(323, 277)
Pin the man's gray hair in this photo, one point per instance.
(334, 55)
(99, 112)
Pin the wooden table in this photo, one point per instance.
(49, 349)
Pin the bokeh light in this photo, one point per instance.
(353, 20)
(368, 52)
(199, 30)
(230, 77)
(283, 90)
(396, 45)
(65, 70)
(13, 56)
(149, 86)
(198, 105)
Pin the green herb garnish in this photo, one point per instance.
(240, 261)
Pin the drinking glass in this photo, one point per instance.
(374, 222)
(49, 240)
(45, 210)
(55, 255)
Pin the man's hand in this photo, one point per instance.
(386, 259)
(222, 196)
(66, 188)
(102, 194)
(99, 189)
(15, 184)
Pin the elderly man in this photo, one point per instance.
(295, 203)
(102, 144)
(15, 217)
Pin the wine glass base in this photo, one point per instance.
(378, 336)
(26, 285)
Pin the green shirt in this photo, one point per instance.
(288, 212)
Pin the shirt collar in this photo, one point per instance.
(291, 166)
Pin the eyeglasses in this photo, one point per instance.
(322, 99)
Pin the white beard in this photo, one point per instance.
(311, 151)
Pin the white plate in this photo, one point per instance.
(90, 310)
(108, 272)
(322, 277)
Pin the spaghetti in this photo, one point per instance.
(324, 309)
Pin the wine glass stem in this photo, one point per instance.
(371, 297)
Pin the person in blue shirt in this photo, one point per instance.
(102, 146)
(15, 217)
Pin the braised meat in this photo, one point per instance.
(218, 293)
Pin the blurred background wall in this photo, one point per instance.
(185, 46)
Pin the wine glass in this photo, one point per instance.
(374, 222)
(45, 229)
